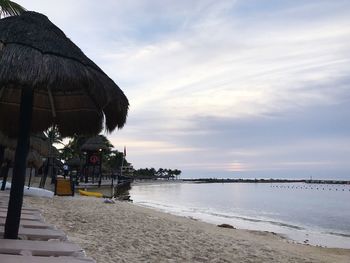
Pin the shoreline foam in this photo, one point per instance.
(259, 218)
(293, 233)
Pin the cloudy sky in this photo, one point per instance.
(223, 88)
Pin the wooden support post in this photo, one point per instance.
(86, 173)
(4, 174)
(19, 170)
(100, 170)
(93, 174)
(45, 172)
(2, 154)
(30, 176)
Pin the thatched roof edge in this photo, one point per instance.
(36, 53)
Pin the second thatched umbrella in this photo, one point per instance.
(37, 142)
(40, 143)
(45, 80)
(5, 142)
(97, 143)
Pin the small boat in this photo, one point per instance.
(32, 191)
(86, 193)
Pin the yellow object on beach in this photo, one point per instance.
(86, 193)
(63, 187)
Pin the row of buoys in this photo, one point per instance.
(311, 188)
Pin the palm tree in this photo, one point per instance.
(53, 134)
(75, 144)
(177, 173)
(160, 173)
(113, 160)
(9, 8)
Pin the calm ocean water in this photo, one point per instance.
(313, 214)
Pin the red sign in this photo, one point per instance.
(94, 159)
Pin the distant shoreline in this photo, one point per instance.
(228, 180)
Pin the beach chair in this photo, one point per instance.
(38, 234)
(4, 200)
(40, 248)
(24, 211)
(24, 216)
(34, 259)
(29, 223)
(26, 208)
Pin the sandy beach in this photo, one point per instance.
(124, 232)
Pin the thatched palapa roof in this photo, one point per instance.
(34, 159)
(69, 88)
(38, 142)
(94, 144)
(9, 154)
(7, 142)
(74, 162)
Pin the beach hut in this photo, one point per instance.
(46, 80)
(93, 148)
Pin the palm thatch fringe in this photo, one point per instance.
(69, 88)
(9, 8)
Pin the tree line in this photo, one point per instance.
(161, 173)
(112, 159)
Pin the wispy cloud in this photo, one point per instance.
(141, 147)
(217, 69)
(218, 84)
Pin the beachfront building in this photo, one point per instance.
(128, 170)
